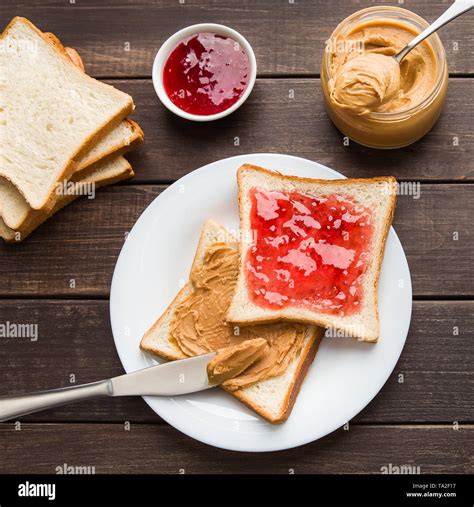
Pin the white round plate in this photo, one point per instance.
(155, 261)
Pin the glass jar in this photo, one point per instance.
(388, 129)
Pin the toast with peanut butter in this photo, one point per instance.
(269, 375)
(314, 251)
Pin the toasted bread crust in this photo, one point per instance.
(341, 181)
(387, 225)
(74, 56)
(158, 323)
(301, 373)
(48, 203)
(114, 151)
(310, 352)
(38, 217)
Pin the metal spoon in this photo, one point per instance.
(457, 8)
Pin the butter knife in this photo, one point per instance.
(169, 379)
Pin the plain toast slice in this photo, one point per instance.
(51, 112)
(105, 173)
(14, 209)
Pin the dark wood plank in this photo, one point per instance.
(77, 249)
(74, 338)
(288, 38)
(273, 122)
(433, 380)
(80, 244)
(161, 449)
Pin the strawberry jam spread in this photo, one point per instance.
(206, 74)
(307, 252)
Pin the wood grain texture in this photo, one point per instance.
(74, 338)
(287, 39)
(162, 449)
(74, 253)
(271, 121)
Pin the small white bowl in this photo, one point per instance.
(168, 46)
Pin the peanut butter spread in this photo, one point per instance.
(199, 325)
(364, 77)
(232, 361)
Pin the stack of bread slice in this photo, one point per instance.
(61, 131)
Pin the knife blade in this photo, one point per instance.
(169, 379)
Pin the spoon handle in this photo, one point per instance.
(457, 8)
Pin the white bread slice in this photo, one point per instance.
(51, 112)
(14, 210)
(71, 52)
(121, 139)
(106, 173)
(273, 398)
(379, 194)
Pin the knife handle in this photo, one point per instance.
(18, 405)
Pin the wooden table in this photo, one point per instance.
(60, 277)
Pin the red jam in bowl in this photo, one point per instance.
(206, 74)
(307, 252)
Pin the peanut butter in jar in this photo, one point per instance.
(371, 98)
